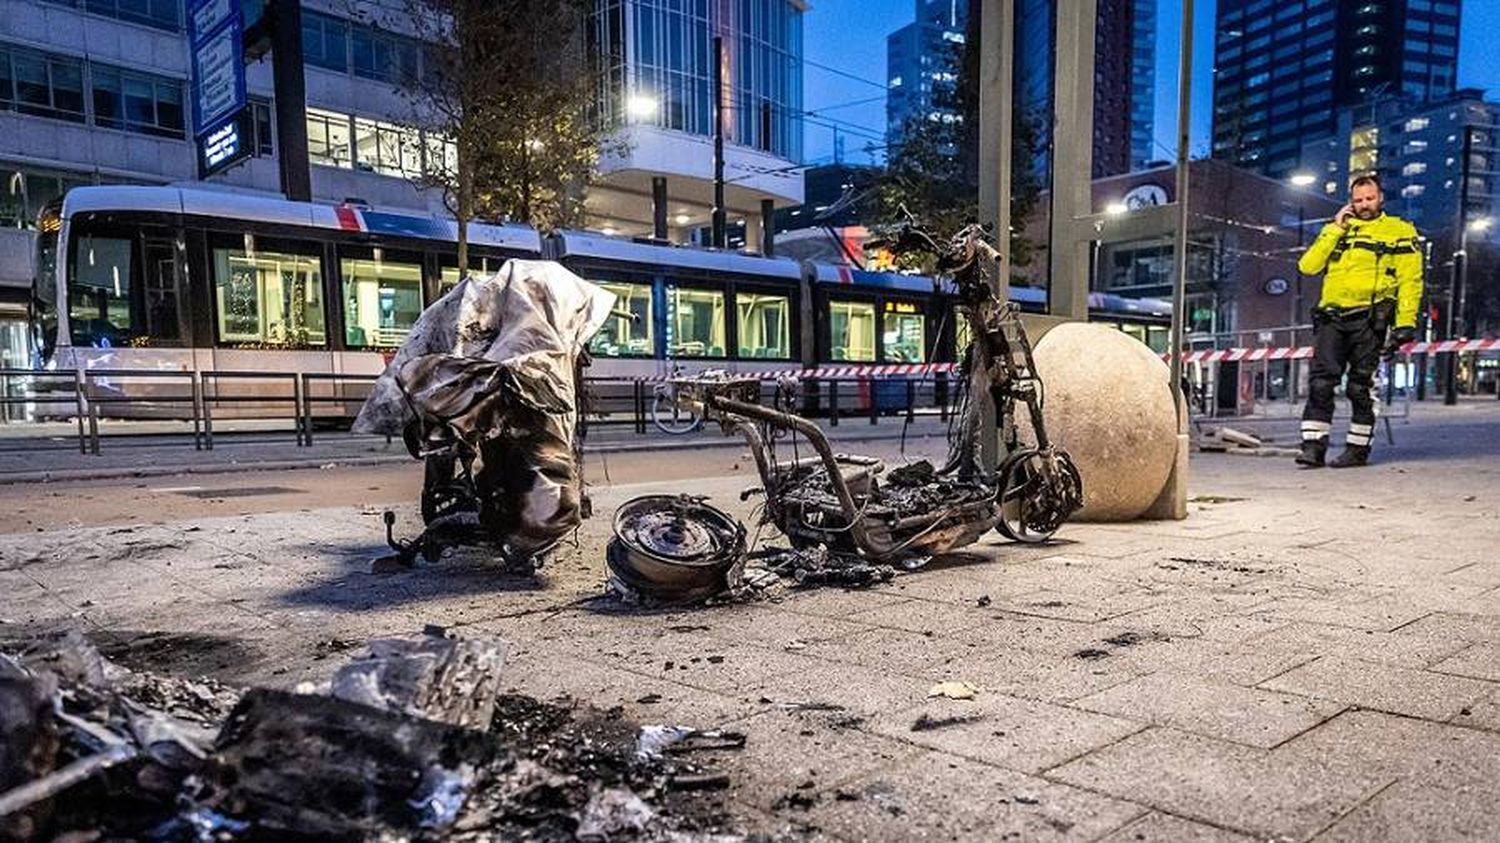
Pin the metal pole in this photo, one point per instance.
(290, 80)
(1184, 128)
(1460, 265)
(996, 112)
(719, 213)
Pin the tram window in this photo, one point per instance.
(696, 319)
(1157, 337)
(382, 300)
(851, 331)
(448, 277)
(621, 337)
(99, 294)
(905, 339)
(273, 298)
(764, 332)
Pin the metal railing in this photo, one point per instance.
(207, 397)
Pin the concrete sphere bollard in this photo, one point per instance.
(1108, 404)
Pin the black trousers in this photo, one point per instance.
(1345, 343)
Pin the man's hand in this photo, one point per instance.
(1341, 219)
(1397, 338)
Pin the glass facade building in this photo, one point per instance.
(1124, 81)
(658, 60)
(922, 63)
(1283, 70)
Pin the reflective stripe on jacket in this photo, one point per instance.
(1370, 261)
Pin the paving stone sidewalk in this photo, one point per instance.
(1311, 655)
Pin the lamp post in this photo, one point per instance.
(1460, 265)
(1458, 324)
(1302, 180)
(1113, 209)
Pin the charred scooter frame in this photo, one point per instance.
(837, 500)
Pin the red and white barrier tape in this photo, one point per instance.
(1216, 355)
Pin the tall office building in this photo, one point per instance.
(1143, 148)
(1283, 70)
(922, 64)
(1417, 150)
(1124, 81)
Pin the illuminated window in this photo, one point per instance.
(764, 325)
(696, 321)
(271, 298)
(382, 300)
(851, 331)
(622, 337)
(905, 335)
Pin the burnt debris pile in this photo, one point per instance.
(412, 740)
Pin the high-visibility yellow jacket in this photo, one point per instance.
(1368, 262)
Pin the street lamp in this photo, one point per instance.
(641, 106)
(1303, 179)
(1115, 209)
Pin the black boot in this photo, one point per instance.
(1352, 457)
(1313, 452)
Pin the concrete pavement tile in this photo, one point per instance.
(1392, 746)
(838, 603)
(1010, 732)
(551, 675)
(1227, 712)
(1227, 617)
(772, 625)
(859, 691)
(1157, 826)
(1485, 573)
(23, 600)
(1216, 661)
(932, 657)
(1423, 810)
(1054, 678)
(1415, 693)
(1403, 648)
(1380, 614)
(1083, 605)
(1480, 661)
(788, 751)
(1457, 625)
(923, 616)
(1227, 785)
(736, 670)
(1484, 714)
(941, 796)
(1003, 630)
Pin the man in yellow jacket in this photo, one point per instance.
(1372, 285)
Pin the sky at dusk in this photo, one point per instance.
(844, 47)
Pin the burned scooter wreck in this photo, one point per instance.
(486, 392)
(845, 517)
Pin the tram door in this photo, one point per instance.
(163, 313)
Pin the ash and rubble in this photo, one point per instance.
(413, 739)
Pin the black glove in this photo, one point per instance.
(1397, 338)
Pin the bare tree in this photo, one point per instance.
(507, 96)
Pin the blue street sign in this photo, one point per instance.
(215, 30)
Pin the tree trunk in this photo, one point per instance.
(465, 205)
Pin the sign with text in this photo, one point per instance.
(220, 124)
(218, 76)
(225, 145)
(205, 17)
